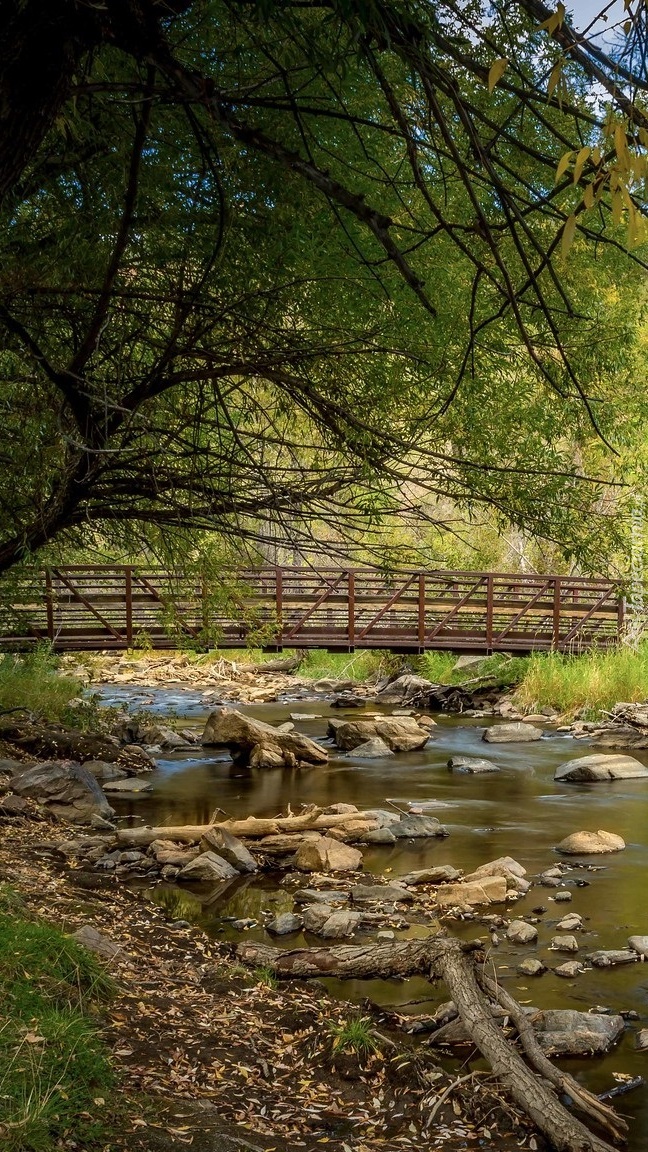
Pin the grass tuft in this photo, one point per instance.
(354, 1035)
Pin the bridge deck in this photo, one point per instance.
(120, 607)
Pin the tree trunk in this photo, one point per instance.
(252, 828)
(446, 959)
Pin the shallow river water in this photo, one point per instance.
(520, 812)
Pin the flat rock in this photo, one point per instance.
(339, 809)
(342, 922)
(96, 942)
(285, 923)
(564, 1032)
(603, 958)
(590, 843)
(569, 969)
(64, 787)
(220, 841)
(516, 732)
(380, 894)
(374, 749)
(320, 896)
(472, 765)
(639, 944)
(598, 767)
(531, 967)
(131, 785)
(489, 890)
(208, 866)
(327, 855)
(442, 874)
(519, 932)
(564, 944)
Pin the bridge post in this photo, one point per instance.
(555, 641)
(49, 604)
(279, 607)
(128, 591)
(351, 608)
(489, 613)
(421, 611)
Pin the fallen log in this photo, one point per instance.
(532, 1088)
(253, 827)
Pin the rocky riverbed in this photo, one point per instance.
(563, 931)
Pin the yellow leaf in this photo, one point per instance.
(588, 196)
(617, 206)
(569, 231)
(582, 157)
(496, 72)
(554, 78)
(554, 22)
(621, 145)
(563, 165)
(596, 155)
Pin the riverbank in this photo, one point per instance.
(202, 1050)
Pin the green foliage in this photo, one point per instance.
(53, 1065)
(500, 671)
(265, 976)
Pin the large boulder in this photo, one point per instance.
(66, 789)
(327, 855)
(251, 742)
(400, 733)
(405, 689)
(590, 843)
(600, 766)
(564, 1032)
(514, 733)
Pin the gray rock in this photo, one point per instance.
(641, 1041)
(385, 816)
(339, 809)
(406, 687)
(569, 969)
(519, 932)
(400, 733)
(13, 806)
(285, 923)
(570, 923)
(418, 827)
(208, 866)
(379, 836)
(531, 967)
(564, 944)
(104, 771)
(442, 874)
(516, 732)
(314, 917)
(373, 749)
(562, 897)
(320, 896)
(639, 944)
(472, 765)
(380, 894)
(600, 766)
(96, 942)
(387, 934)
(220, 841)
(340, 923)
(64, 788)
(610, 958)
(563, 1032)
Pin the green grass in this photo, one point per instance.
(354, 1035)
(318, 664)
(265, 976)
(590, 684)
(32, 682)
(54, 1069)
(501, 671)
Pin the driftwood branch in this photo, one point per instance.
(253, 827)
(531, 1088)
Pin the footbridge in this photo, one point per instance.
(341, 609)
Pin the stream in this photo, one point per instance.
(519, 812)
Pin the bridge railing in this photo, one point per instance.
(110, 606)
